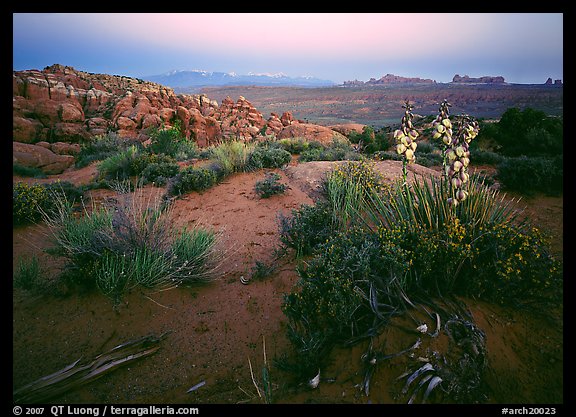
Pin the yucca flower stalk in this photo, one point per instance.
(458, 157)
(406, 138)
(443, 129)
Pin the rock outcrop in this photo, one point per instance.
(389, 79)
(41, 157)
(481, 80)
(57, 108)
(312, 132)
(60, 103)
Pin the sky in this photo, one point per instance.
(521, 47)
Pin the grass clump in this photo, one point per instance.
(132, 243)
(29, 276)
(232, 156)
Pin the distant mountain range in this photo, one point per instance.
(196, 78)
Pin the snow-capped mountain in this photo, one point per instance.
(200, 78)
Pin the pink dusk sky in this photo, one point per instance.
(522, 47)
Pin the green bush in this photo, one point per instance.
(371, 141)
(23, 171)
(270, 186)
(159, 173)
(528, 132)
(192, 179)
(330, 303)
(119, 165)
(336, 151)
(347, 189)
(143, 159)
(268, 157)
(293, 145)
(530, 175)
(28, 201)
(482, 157)
(102, 147)
(307, 227)
(166, 140)
(408, 244)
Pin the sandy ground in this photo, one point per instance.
(214, 329)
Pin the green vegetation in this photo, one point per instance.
(270, 186)
(30, 201)
(268, 157)
(29, 276)
(23, 171)
(529, 175)
(335, 151)
(372, 249)
(134, 243)
(371, 141)
(526, 132)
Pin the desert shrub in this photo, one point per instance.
(306, 227)
(159, 173)
(270, 186)
(483, 157)
(429, 159)
(192, 179)
(119, 165)
(293, 145)
(143, 159)
(132, 243)
(529, 175)
(267, 157)
(233, 155)
(219, 170)
(336, 151)
(330, 302)
(30, 201)
(27, 202)
(426, 147)
(187, 149)
(101, 147)
(166, 140)
(528, 132)
(371, 141)
(409, 243)
(387, 156)
(23, 171)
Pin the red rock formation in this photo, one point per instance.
(390, 79)
(29, 155)
(481, 80)
(311, 132)
(61, 104)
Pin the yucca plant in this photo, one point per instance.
(426, 204)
